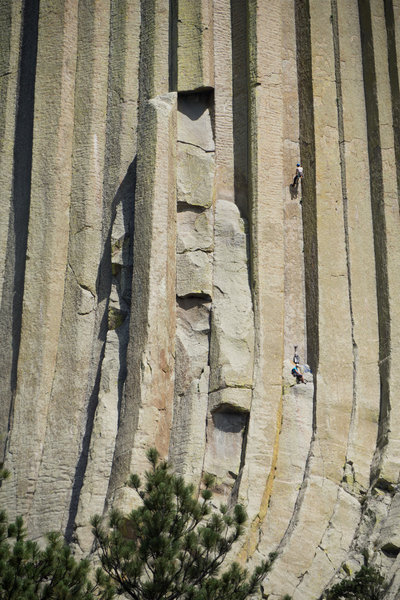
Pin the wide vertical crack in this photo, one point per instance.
(379, 225)
(173, 46)
(252, 140)
(394, 84)
(309, 198)
(240, 103)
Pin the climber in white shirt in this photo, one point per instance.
(299, 175)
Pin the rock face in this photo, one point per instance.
(157, 268)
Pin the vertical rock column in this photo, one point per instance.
(146, 408)
(47, 246)
(295, 317)
(385, 207)
(358, 233)
(192, 44)
(297, 410)
(267, 255)
(360, 249)
(387, 452)
(70, 408)
(119, 195)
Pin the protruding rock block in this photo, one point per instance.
(146, 410)
(238, 399)
(194, 49)
(194, 267)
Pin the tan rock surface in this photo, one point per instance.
(47, 249)
(157, 269)
(194, 54)
(195, 180)
(232, 336)
(194, 274)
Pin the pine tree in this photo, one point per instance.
(29, 573)
(366, 584)
(172, 546)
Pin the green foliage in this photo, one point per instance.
(367, 584)
(173, 545)
(4, 474)
(29, 573)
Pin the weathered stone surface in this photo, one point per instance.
(188, 438)
(291, 464)
(193, 327)
(194, 45)
(104, 431)
(47, 252)
(194, 274)
(195, 231)
(225, 430)
(150, 355)
(195, 177)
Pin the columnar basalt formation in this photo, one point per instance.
(157, 268)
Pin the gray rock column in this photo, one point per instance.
(47, 247)
(146, 410)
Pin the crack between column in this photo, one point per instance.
(394, 84)
(379, 229)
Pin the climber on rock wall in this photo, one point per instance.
(296, 357)
(299, 175)
(298, 374)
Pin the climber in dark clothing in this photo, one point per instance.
(296, 357)
(297, 373)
